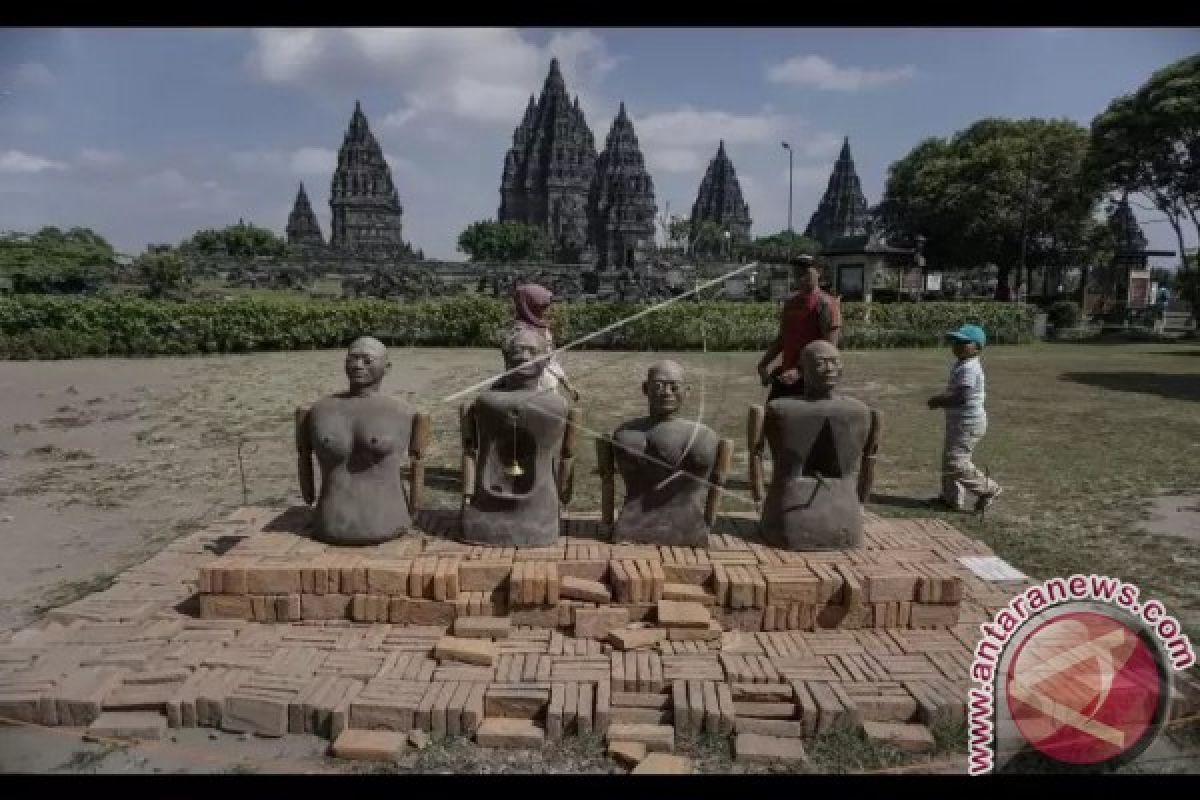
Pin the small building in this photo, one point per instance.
(857, 264)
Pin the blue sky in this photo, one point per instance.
(147, 135)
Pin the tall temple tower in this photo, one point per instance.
(303, 230)
(549, 169)
(621, 201)
(843, 209)
(365, 204)
(719, 199)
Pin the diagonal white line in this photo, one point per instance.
(619, 323)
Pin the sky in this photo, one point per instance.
(147, 135)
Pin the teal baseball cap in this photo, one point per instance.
(969, 333)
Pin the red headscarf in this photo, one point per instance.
(531, 302)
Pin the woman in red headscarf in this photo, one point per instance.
(531, 303)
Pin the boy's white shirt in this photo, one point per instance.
(968, 373)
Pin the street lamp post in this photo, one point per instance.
(728, 246)
(788, 147)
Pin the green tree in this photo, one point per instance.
(782, 246)
(1148, 143)
(504, 242)
(243, 240)
(994, 192)
(57, 261)
(163, 273)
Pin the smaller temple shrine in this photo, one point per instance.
(719, 199)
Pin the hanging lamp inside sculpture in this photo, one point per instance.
(518, 453)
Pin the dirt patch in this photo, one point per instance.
(1174, 515)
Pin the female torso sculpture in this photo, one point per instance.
(360, 438)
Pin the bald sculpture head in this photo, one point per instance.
(822, 369)
(366, 364)
(665, 389)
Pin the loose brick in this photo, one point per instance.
(710, 634)
(657, 738)
(787, 728)
(765, 710)
(663, 764)
(325, 606)
(598, 623)
(636, 638)
(143, 725)
(673, 614)
(573, 588)
(906, 737)
(225, 606)
(627, 754)
(755, 748)
(928, 615)
(360, 745)
(482, 627)
(483, 576)
(509, 734)
(516, 703)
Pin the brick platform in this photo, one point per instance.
(449, 665)
(906, 576)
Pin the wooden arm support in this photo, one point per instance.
(866, 470)
(717, 480)
(304, 458)
(606, 466)
(418, 442)
(566, 466)
(466, 426)
(754, 450)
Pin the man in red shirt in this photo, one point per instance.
(808, 315)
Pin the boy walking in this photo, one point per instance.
(966, 423)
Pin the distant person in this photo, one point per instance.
(531, 303)
(966, 424)
(808, 315)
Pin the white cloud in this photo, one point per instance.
(477, 75)
(20, 163)
(692, 127)
(301, 162)
(100, 159)
(168, 181)
(673, 159)
(820, 73)
(30, 75)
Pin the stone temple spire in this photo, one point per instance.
(365, 203)
(843, 209)
(719, 199)
(303, 230)
(621, 201)
(549, 168)
(1126, 230)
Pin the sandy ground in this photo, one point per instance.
(104, 461)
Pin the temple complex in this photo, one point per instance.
(843, 209)
(719, 199)
(621, 203)
(303, 230)
(549, 169)
(364, 201)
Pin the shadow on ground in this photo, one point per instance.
(1170, 386)
(896, 501)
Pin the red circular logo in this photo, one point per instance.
(1085, 688)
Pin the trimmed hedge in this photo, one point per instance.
(48, 327)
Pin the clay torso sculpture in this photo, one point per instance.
(360, 439)
(672, 468)
(817, 445)
(519, 470)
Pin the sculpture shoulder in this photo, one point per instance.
(633, 427)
